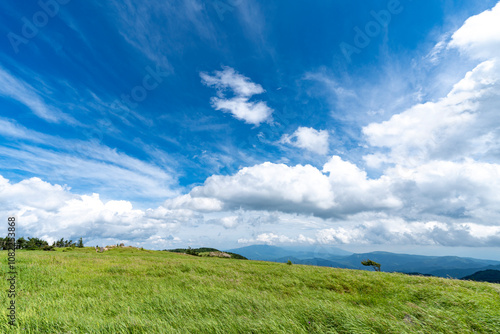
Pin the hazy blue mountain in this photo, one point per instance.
(442, 266)
(460, 273)
(262, 252)
(492, 276)
(419, 274)
(271, 253)
(315, 262)
(319, 251)
(418, 263)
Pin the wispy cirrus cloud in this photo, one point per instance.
(82, 162)
(17, 89)
(159, 29)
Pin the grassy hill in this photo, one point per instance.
(128, 290)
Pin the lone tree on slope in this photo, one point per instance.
(370, 263)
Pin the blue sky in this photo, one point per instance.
(362, 125)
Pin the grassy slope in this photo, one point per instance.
(134, 291)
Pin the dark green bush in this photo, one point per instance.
(190, 251)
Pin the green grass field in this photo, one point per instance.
(139, 291)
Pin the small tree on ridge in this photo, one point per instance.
(370, 263)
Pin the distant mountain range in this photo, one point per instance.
(492, 276)
(441, 266)
(271, 253)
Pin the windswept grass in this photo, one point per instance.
(133, 291)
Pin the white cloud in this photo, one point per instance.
(33, 193)
(270, 186)
(397, 231)
(355, 192)
(439, 190)
(466, 190)
(333, 87)
(438, 203)
(308, 139)
(52, 211)
(229, 222)
(45, 209)
(443, 158)
(242, 219)
(11, 129)
(250, 112)
(441, 203)
(203, 204)
(340, 188)
(479, 37)
(465, 123)
(229, 78)
(272, 238)
(239, 106)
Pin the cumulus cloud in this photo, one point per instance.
(197, 203)
(397, 231)
(465, 123)
(444, 203)
(242, 219)
(52, 211)
(340, 188)
(308, 139)
(437, 203)
(442, 157)
(272, 238)
(250, 112)
(479, 37)
(436, 189)
(466, 190)
(243, 89)
(229, 222)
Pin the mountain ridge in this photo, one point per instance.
(441, 266)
